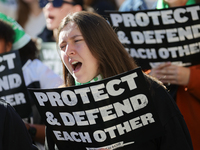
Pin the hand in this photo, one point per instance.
(40, 134)
(154, 71)
(171, 74)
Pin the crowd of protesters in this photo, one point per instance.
(91, 51)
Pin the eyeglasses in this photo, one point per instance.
(56, 3)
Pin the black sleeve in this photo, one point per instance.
(15, 135)
(176, 135)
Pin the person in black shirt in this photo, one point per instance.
(13, 132)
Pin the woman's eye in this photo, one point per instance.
(77, 40)
(62, 47)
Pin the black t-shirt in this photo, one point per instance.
(13, 132)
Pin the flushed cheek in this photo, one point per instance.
(68, 66)
(62, 55)
(65, 60)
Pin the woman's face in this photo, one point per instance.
(54, 15)
(2, 46)
(5, 47)
(76, 55)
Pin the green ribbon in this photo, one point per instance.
(161, 4)
(98, 78)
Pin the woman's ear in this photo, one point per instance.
(77, 8)
(8, 46)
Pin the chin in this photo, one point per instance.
(49, 26)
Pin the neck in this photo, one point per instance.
(55, 31)
(176, 3)
(97, 78)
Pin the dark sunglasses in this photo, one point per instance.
(56, 3)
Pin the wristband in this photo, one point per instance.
(32, 131)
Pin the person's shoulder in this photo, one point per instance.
(5, 110)
(4, 106)
(153, 82)
(158, 90)
(163, 102)
(2, 103)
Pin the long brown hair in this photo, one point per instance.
(103, 43)
(23, 13)
(197, 1)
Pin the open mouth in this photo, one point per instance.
(76, 65)
(50, 17)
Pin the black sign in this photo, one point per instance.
(12, 85)
(110, 113)
(155, 36)
(50, 57)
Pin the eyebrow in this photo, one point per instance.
(73, 37)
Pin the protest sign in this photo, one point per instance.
(12, 86)
(155, 36)
(110, 113)
(50, 57)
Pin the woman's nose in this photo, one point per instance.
(49, 5)
(70, 50)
